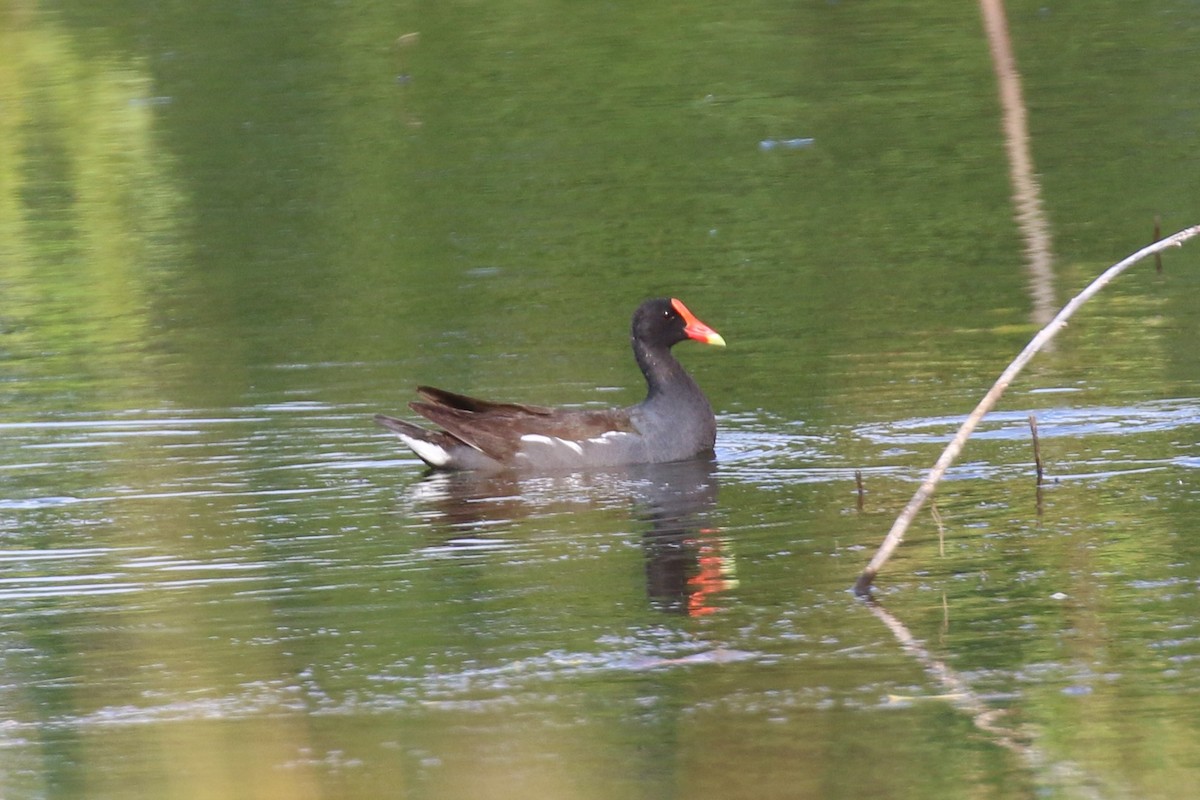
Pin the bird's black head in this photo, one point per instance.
(665, 321)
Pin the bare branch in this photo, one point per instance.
(896, 535)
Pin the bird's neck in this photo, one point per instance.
(662, 370)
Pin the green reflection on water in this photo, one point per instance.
(90, 216)
(249, 226)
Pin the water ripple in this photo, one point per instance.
(1066, 422)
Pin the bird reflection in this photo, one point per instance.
(687, 561)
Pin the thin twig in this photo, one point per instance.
(858, 482)
(896, 535)
(1037, 448)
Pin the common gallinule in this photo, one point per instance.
(673, 423)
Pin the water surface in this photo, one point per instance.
(233, 234)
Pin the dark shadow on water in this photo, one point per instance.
(686, 561)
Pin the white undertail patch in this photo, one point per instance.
(432, 454)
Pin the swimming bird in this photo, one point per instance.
(674, 422)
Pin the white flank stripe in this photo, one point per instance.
(608, 437)
(537, 438)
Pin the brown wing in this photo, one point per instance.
(440, 397)
(497, 431)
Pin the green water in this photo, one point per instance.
(230, 234)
